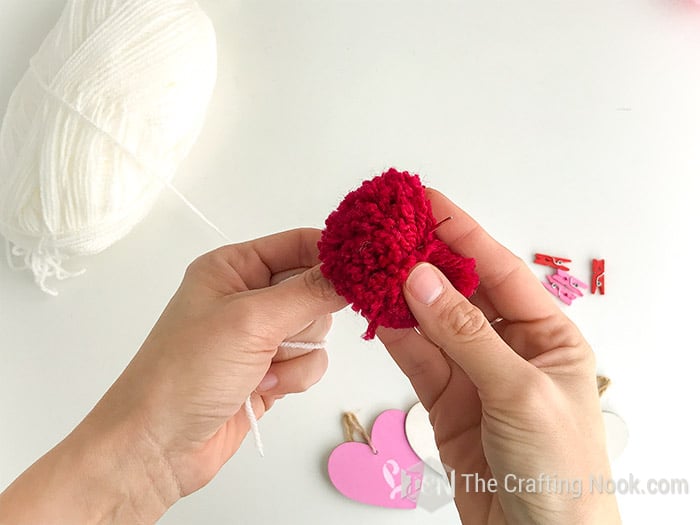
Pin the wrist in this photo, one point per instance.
(123, 469)
(99, 474)
(576, 504)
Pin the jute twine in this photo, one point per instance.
(351, 425)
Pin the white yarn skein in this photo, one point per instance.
(110, 105)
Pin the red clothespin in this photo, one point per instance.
(553, 262)
(598, 276)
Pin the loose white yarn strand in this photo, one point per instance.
(248, 405)
(296, 345)
(303, 346)
(197, 212)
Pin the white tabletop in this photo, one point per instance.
(571, 128)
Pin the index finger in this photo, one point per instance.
(287, 250)
(506, 281)
(251, 265)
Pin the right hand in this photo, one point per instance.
(516, 400)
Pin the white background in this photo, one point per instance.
(571, 128)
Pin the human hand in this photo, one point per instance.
(513, 401)
(175, 416)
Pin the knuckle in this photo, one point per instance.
(421, 367)
(589, 358)
(572, 347)
(209, 261)
(195, 266)
(585, 359)
(463, 320)
(565, 334)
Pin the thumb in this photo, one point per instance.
(287, 308)
(454, 324)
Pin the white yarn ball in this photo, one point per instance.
(110, 105)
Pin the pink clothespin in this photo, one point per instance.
(553, 262)
(562, 292)
(569, 281)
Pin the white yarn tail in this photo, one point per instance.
(43, 263)
(254, 428)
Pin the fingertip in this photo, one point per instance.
(432, 193)
(425, 283)
(295, 375)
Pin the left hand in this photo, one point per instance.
(175, 415)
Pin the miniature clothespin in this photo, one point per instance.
(553, 262)
(565, 279)
(566, 295)
(598, 276)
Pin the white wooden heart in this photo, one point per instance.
(616, 434)
(421, 437)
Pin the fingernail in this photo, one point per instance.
(425, 284)
(269, 381)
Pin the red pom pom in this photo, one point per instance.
(377, 235)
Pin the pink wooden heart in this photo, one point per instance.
(386, 479)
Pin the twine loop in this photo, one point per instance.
(351, 426)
